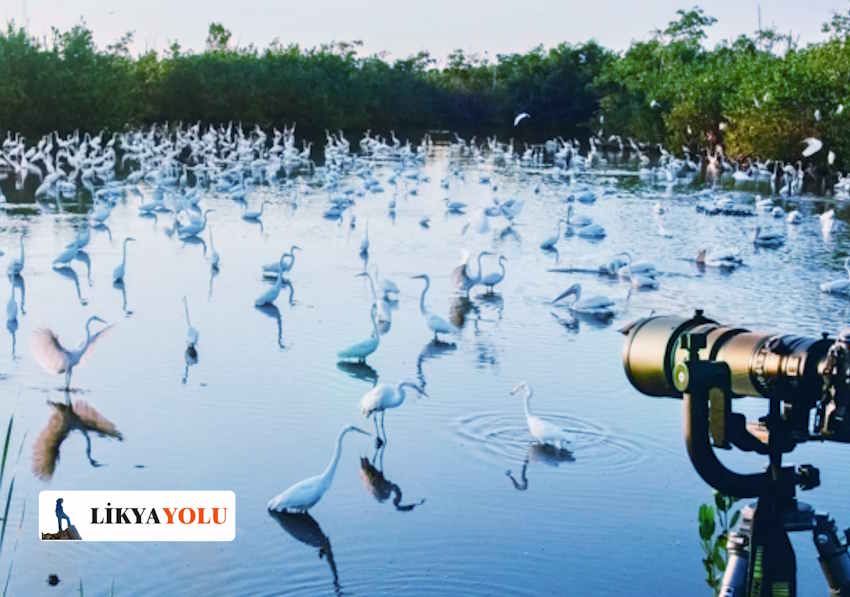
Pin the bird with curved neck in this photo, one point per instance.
(490, 280)
(270, 295)
(270, 270)
(363, 349)
(195, 227)
(384, 315)
(435, 323)
(55, 358)
(305, 494)
(461, 277)
(543, 431)
(382, 397)
(253, 215)
(118, 272)
(16, 266)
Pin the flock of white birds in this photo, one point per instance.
(170, 171)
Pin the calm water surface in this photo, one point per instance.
(434, 512)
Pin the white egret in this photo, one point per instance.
(270, 270)
(305, 494)
(191, 332)
(384, 314)
(66, 256)
(540, 429)
(640, 274)
(840, 286)
(461, 277)
(382, 397)
(16, 266)
(769, 240)
(363, 349)
(520, 117)
(812, 146)
(722, 258)
(195, 227)
(490, 280)
(435, 323)
(55, 358)
(118, 272)
(271, 294)
(598, 306)
(253, 215)
(550, 242)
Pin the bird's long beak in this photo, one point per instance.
(517, 388)
(357, 429)
(96, 318)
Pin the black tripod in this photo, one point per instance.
(761, 559)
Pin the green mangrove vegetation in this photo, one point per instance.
(758, 95)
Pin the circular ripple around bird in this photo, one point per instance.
(499, 438)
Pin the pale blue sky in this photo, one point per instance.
(403, 27)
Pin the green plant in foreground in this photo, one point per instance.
(719, 519)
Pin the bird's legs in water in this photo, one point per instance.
(383, 430)
(378, 441)
(67, 380)
(520, 486)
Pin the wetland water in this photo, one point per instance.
(434, 511)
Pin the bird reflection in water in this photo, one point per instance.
(19, 285)
(304, 528)
(84, 258)
(191, 357)
(101, 227)
(196, 240)
(545, 453)
(381, 488)
(68, 273)
(271, 310)
(213, 274)
(65, 418)
(12, 326)
(361, 371)
(435, 349)
(459, 307)
(493, 300)
(119, 285)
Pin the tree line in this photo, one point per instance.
(758, 95)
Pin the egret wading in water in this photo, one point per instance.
(55, 358)
(270, 270)
(462, 279)
(16, 266)
(380, 398)
(270, 295)
(191, 332)
(543, 431)
(363, 349)
(490, 280)
(305, 494)
(118, 272)
(435, 323)
(253, 215)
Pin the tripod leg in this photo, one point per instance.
(734, 583)
(833, 557)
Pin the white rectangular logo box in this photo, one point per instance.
(137, 515)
